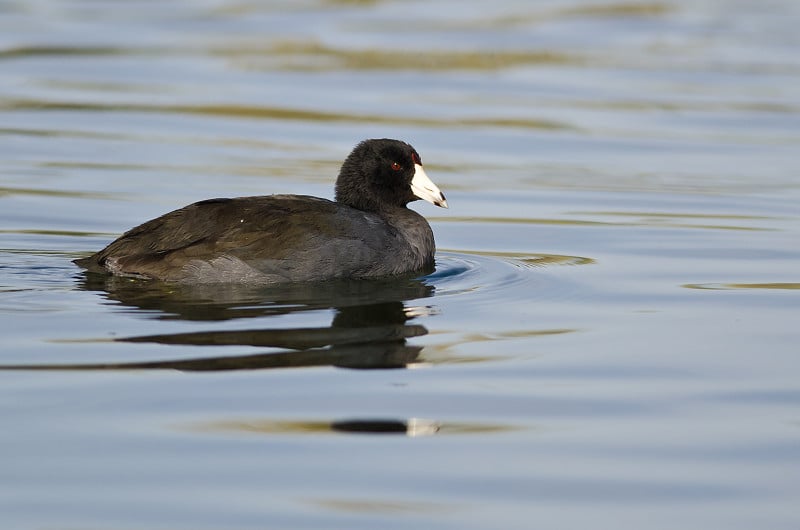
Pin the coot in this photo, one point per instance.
(366, 232)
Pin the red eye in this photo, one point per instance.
(396, 166)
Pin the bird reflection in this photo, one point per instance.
(369, 328)
(217, 302)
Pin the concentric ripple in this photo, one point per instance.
(511, 274)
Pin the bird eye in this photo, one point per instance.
(396, 166)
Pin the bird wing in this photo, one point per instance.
(281, 237)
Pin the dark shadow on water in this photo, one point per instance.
(411, 427)
(378, 355)
(369, 328)
(216, 302)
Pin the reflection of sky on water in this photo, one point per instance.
(609, 334)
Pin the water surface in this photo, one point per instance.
(610, 334)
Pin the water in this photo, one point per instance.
(609, 338)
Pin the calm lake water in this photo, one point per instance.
(610, 338)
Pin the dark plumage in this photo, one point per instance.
(367, 232)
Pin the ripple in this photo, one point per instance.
(410, 427)
(52, 193)
(372, 506)
(513, 273)
(377, 355)
(665, 220)
(315, 56)
(253, 112)
(730, 286)
(537, 260)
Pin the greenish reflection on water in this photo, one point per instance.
(653, 142)
(275, 113)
